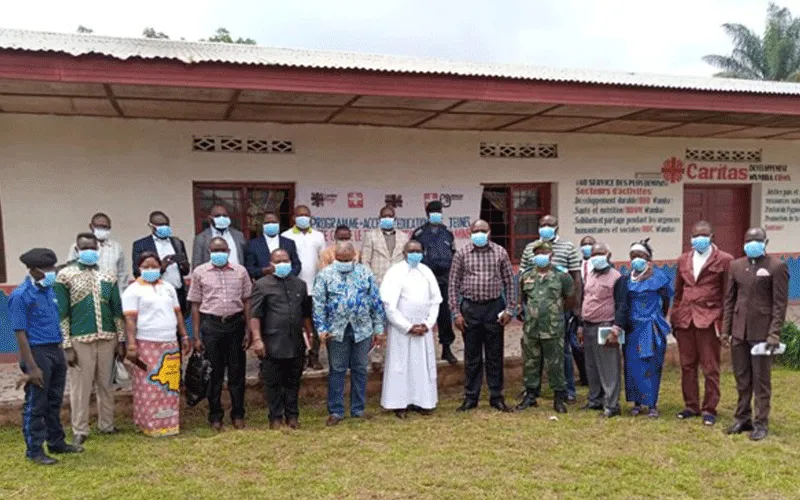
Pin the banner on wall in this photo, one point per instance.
(358, 207)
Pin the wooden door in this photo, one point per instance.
(726, 207)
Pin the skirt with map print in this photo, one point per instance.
(156, 392)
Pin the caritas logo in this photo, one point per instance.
(674, 169)
(355, 200)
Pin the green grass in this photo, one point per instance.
(480, 455)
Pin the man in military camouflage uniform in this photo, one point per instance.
(545, 293)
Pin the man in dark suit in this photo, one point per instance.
(171, 251)
(219, 226)
(755, 309)
(697, 320)
(259, 250)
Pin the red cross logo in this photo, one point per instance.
(355, 200)
(672, 170)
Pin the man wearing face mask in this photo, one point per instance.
(280, 312)
(112, 258)
(605, 304)
(349, 315)
(383, 246)
(411, 298)
(170, 250)
(220, 297)
(33, 314)
(328, 256)
(483, 279)
(439, 246)
(566, 257)
(258, 258)
(219, 225)
(697, 312)
(755, 310)
(310, 244)
(92, 325)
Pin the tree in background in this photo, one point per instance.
(775, 56)
(222, 35)
(151, 32)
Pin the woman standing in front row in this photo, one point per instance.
(152, 314)
(649, 294)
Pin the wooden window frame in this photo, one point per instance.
(245, 187)
(545, 195)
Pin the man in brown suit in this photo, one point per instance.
(697, 320)
(755, 309)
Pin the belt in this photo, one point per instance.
(598, 323)
(482, 302)
(225, 319)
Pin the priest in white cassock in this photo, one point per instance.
(411, 299)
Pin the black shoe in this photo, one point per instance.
(592, 406)
(559, 403)
(448, 355)
(610, 413)
(759, 433)
(502, 407)
(65, 448)
(571, 400)
(79, 439)
(43, 460)
(686, 414)
(401, 414)
(528, 401)
(740, 427)
(467, 405)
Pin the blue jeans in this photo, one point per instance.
(569, 370)
(343, 355)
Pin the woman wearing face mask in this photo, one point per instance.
(152, 314)
(649, 294)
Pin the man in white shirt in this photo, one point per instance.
(219, 225)
(112, 259)
(310, 245)
(258, 256)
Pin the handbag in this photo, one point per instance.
(196, 378)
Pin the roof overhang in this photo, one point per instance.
(98, 85)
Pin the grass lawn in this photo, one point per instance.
(479, 455)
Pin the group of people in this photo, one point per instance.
(284, 294)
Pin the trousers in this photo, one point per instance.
(343, 355)
(282, 385)
(603, 368)
(224, 351)
(95, 365)
(444, 321)
(483, 343)
(544, 355)
(699, 347)
(41, 412)
(753, 377)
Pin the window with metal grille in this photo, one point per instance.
(228, 144)
(518, 150)
(732, 155)
(513, 212)
(247, 203)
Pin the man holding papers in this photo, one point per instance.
(605, 306)
(755, 309)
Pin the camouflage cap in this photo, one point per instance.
(546, 245)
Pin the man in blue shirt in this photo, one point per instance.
(438, 245)
(33, 311)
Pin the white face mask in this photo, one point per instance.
(100, 233)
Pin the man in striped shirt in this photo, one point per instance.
(567, 258)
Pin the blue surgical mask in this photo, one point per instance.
(150, 275)
(222, 222)
(219, 259)
(639, 264)
(599, 262)
(387, 223)
(302, 221)
(343, 267)
(701, 243)
(547, 233)
(414, 258)
(48, 280)
(586, 250)
(272, 229)
(282, 269)
(435, 217)
(541, 260)
(88, 257)
(755, 249)
(480, 239)
(163, 232)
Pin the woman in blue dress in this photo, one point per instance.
(649, 294)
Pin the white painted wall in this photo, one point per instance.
(56, 171)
